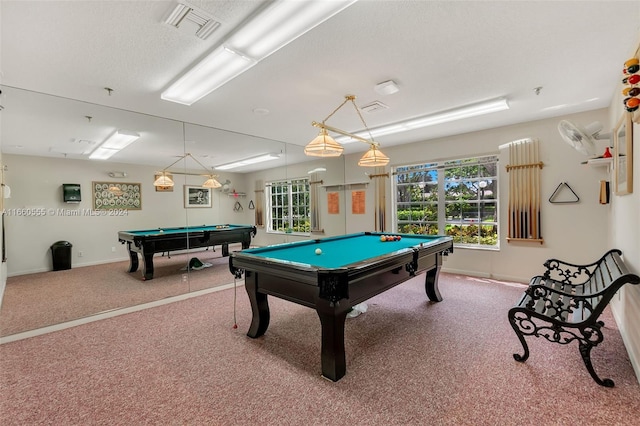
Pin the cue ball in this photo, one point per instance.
(161, 230)
(318, 251)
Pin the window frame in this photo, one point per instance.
(441, 223)
(292, 193)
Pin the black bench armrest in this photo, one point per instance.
(570, 273)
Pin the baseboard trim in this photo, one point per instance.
(114, 313)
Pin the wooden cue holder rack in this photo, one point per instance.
(540, 240)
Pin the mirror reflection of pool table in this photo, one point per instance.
(333, 274)
(160, 240)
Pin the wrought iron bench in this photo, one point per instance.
(564, 304)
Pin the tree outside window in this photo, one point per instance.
(289, 206)
(456, 198)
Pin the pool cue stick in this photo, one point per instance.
(525, 199)
(523, 193)
(514, 222)
(515, 193)
(525, 185)
(529, 192)
(512, 219)
(537, 155)
(518, 197)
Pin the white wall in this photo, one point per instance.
(334, 175)
(36, 182)
(574, 232)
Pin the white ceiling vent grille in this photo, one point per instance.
(184, 12)
(374, 106)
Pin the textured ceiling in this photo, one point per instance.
(442, 54)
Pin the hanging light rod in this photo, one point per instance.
(165, 179)
(342, 132)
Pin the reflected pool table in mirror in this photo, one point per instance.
(150, 241)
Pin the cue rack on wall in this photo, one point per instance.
(524, 170)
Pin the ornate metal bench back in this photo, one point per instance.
(564, 304)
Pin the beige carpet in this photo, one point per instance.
(409, 362)
(38, 300)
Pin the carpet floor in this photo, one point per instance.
(38, 300)
(409, 362)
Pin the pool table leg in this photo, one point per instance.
(431, 281)
(259, 306)
(147, 269)
(133, 257)
(333, 358)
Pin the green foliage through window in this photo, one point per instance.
(289, 206)
(456, 198)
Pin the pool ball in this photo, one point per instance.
(318, 251)
(383, 238)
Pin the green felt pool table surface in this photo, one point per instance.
(183, 229)
(341, 251)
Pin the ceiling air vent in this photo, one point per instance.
(184, 12)
(374, 106)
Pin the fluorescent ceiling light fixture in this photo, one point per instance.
(222, 65)
(274, 27)
(102, 153)
(247, 161)
(120, 139)
(467, 111)
(117, 141)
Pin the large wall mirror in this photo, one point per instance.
(37, 217)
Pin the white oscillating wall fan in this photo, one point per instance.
(582, 140)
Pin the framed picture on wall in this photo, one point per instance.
(196, 196)
(116, 195)
(623, 155)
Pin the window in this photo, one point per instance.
(289, 206)
(458, 198)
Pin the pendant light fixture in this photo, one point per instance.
(325, 146)
(165, 179)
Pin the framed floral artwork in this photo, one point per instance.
(116, 195)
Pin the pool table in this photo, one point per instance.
(347, 270)
(150, 241)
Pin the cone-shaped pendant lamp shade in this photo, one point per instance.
(211, 183)
(323, 146)
(373, 158)
(163, 180)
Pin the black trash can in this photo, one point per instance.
(61, 255)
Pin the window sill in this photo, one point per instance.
(471, 247)
(295, 234)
